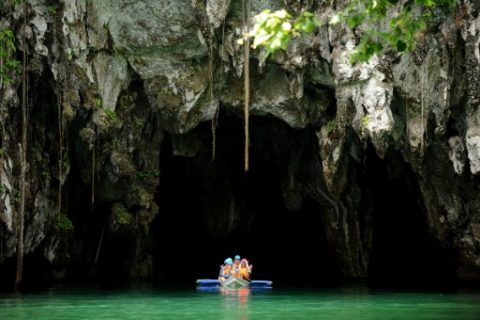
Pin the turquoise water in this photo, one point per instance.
(352, 304)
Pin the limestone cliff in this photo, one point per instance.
(121, 75)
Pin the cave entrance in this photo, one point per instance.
(213, 210)
(404, 252)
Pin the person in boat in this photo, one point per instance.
(222, 267)
(226, 271)
(236, 266)
(245, 270)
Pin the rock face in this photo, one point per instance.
(121, 74)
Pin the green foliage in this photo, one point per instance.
(111, 115)
(115, 142)
(273, 31)
(98, 102)
(64, 164)
(399, 34)
(148, 174)
(9, 2)
(63, 222)
(365, 121)
(121, 215)
(52, 10)
(331, 126)
(45, 174)
(8, 65)
(143, 194)
(16, 195)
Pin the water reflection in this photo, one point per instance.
(240, 304)
(236, 302)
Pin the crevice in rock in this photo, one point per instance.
(404, 252)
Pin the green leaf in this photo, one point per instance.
(401, 46)
(355, 20)
(409, 18)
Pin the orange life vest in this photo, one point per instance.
(227, 270)
(244, 273)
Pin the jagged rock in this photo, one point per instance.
(121, 165)
(6, 215)
(112, 77)
(217, 11)
(332, 151)
(457, 153)
(473, 147)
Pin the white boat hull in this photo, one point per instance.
(235, 283)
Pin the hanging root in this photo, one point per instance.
(214, 133)
(60, 160)
(246, 85)
(99, 247)
(93, 176)
(422, 106)
(210, 84)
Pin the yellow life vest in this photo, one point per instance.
(244, 273)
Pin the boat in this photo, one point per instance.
(234, 284)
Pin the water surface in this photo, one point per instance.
(352, 304)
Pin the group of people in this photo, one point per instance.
(237, 267)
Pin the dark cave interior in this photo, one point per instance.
(251, 219)
(278, 242)
(287, 246)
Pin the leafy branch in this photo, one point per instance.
(8, 65)
(400, 34)
(274, 30)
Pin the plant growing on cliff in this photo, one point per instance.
(64, 223)
(365, 121)
(331, 126)
(4, 3)
(148, 174)
(274, 31)
(399, 34)
(122, 216)
(8, 65)
(111, 115)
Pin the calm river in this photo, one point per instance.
(351, 304)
